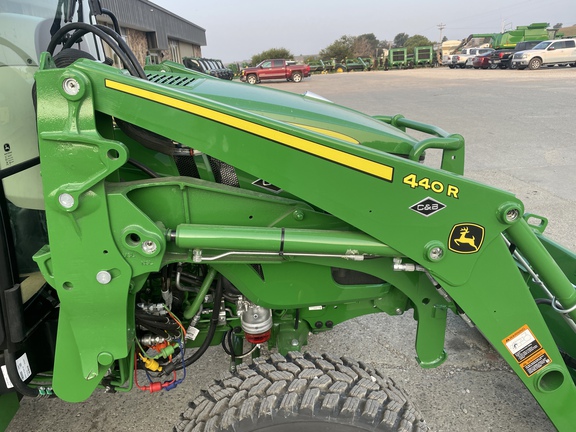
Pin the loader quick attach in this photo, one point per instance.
(182, 211)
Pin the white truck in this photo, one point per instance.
(550, 52)
(465, 57)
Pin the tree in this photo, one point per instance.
(415, 41)
(365, 45)
(273, 53)
(557, 26)
(339, 49)
(400, 39)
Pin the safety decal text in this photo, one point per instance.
(527, 350)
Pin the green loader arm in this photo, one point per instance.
(364, 204)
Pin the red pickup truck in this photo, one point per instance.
(275, 69)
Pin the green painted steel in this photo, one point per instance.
(9, 403)
(361, 209)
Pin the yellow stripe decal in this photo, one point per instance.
(356, 162)
(328, 132)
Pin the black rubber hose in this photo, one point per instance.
(119, 41)
(81, 30)
(124, 46)
(209, 336)
(213, 324)
(112, 17)
(109, 39)
(19, 385)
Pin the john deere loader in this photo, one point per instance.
(149, 213)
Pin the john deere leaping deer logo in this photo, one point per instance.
(466, 238)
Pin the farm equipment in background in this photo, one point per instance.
(316, 66)
(176, 211)
(398, 58)
(424, 56)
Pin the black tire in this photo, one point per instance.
(303, 392)
(296, 77)
(535, 63)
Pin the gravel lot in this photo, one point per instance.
(520, 136)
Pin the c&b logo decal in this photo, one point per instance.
(466, 238)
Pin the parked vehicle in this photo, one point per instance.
(355, 64)
(464, 59)
(551, 52)
(482, 61)
(275, 69)
(334, 66)
(506, 40)
(211, 67)
(502, 58)
(510, 38)
(316, 66)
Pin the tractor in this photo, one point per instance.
(149, 213)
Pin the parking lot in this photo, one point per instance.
(520, 136)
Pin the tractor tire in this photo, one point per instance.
(296, 77)
(304, 393)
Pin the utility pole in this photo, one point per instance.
(441, 27)
(439, 53)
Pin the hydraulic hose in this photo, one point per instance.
(20, 386)
(209, 335)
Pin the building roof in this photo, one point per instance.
(146, 16)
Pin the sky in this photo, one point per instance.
(237, 30)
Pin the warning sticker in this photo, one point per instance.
(522, 344)
(23, 367)
(534, 364)
(527, 351)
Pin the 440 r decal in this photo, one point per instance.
(435, 186)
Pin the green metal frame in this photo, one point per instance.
(355, 187)
(423, 56)
(398, 57)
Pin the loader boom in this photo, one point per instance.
(178, 211)
(369, 190)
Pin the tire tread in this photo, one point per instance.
(307, 386)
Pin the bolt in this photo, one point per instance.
(66, 200)
(318, 324)
(149, 247)
(398, 311)
(435, 253)
(329, 324)
(91, 375)
(295, 342)
(103, 277)
(298, 215)
(71, 86)
(512, 215)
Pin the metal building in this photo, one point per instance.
(153, 31)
